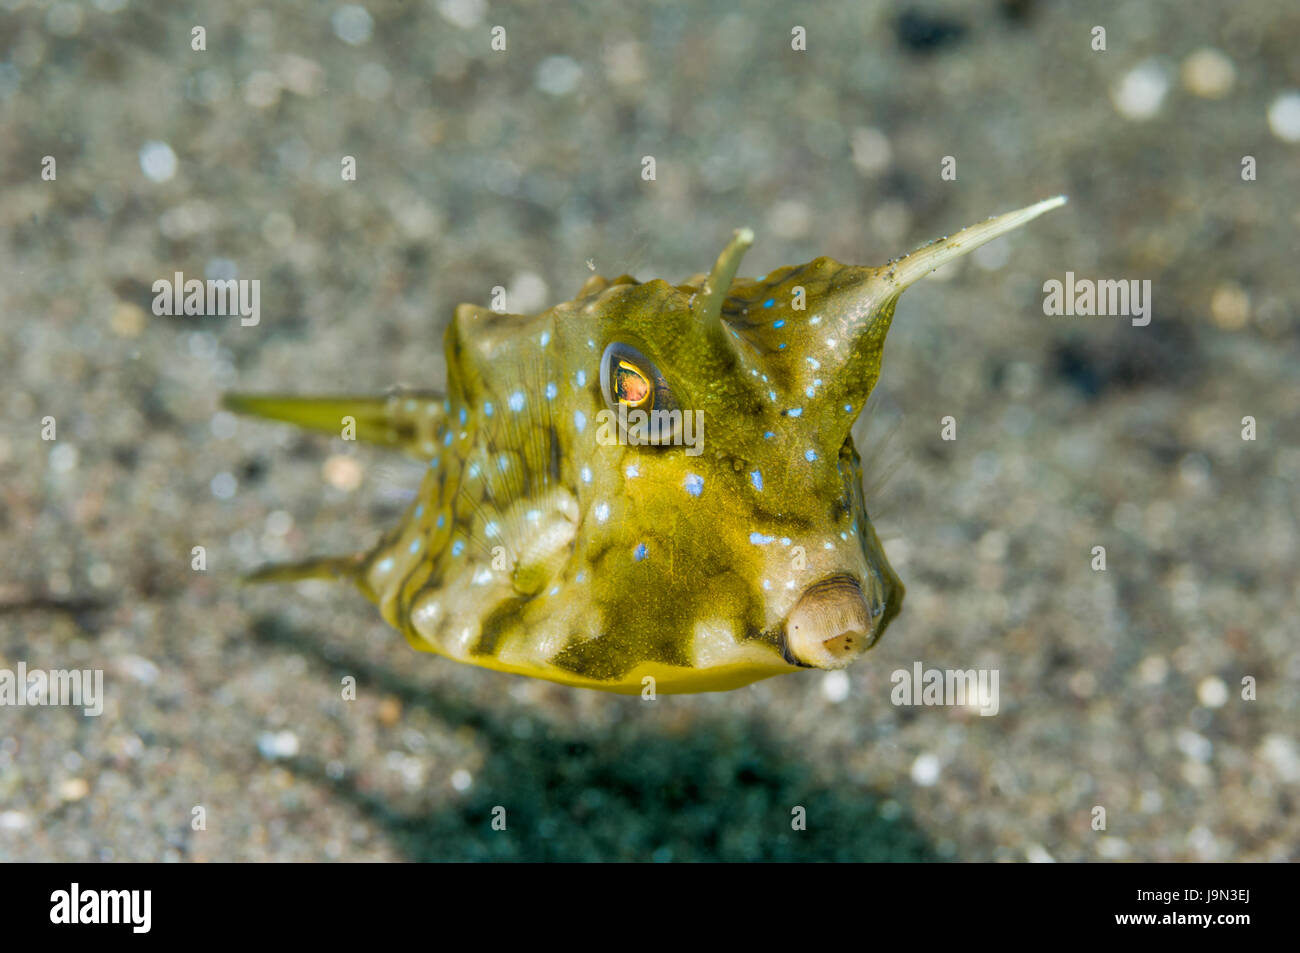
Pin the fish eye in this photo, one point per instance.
(629, 379)
(630, 385)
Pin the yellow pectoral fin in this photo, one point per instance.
(412, 422)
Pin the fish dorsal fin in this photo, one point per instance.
(411, 421)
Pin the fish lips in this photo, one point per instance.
(831, 624)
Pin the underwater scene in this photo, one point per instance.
(462, 430)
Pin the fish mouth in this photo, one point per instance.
(830, 625)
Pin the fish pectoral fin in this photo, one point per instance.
(410, 421)
(346, 568)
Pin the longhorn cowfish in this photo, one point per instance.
(648, 485)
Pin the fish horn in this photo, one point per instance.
(856, 308)
(912, 268)
(714, 290)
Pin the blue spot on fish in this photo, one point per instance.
(488, 409)
(779, 324)
(551, 392)
(756, 478)
(794, 412)
(458, 547)
(758, 539)
(810, 455)
(517, 401)
(640, 552)
(694, 484)
(769, 302)
(579, 421)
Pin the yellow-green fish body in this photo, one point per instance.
(550, 539)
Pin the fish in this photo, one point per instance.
(647, 488)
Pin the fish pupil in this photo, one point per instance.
(631, 386)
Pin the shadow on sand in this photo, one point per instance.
(723, 790)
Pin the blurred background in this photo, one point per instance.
(1118, 689)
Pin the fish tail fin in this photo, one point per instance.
(409, 421)
(346, 568)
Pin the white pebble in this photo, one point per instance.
(871, 150)
(1113, 848)
(14, 821)
(157, 161)
(138, 668)
(835, 686)
(1195, 746)
(1212, 692)
(1037, 854)
(277, 744)
(1284, 117)
(1141, 91)
(1203, 841)
(63, 458)
(461, 779)
(925, 770)
(1280, 753)
(352, 24)
(73, 789)
(463, 13)
(223, 486)
(558, 75)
